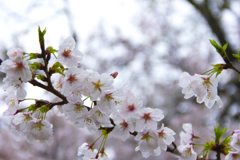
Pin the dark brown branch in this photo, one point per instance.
(50, 89)
(214, 24)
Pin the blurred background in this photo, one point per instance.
(149, 42)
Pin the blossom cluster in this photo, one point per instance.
(118, 104)
(115, 108)
(186, 143)
(204, 87)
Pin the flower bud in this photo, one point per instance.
(114, 75)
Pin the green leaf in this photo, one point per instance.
(237, 56)
(36, 65)
(207, 148)
(215, 44)
(50, 49)
(225, 46)
(219, 49)
(226, 147)
(41, 35)
(41, 77)
(57, 68)
(33, 56)
(239, 77)
(218, 133)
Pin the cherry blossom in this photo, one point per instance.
(97, 84)
(12, 103)
(87, 152)
(73, 79)
(16, 70)
(122, 128)
(39, 130)
(74, 111)
(58, 82)
(148, 118)
(146, 154)
(93, 120)
(186, 144)
(187, 136)
(15, 85)
(131, 105)
(148, 143)
(166, 137)
(109, 100)
(187, 152)
(67, 55)
(15, 54)
(21, 122)
(203, 87)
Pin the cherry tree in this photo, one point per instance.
(113, 110)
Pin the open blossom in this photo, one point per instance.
(146, 154)
(203, 87)
(122, 128)
(14, 85)
(39, 130)
(131, 105)
(166, 137)
(73, 79)
(16, 70)
(74, 111)
(109, 100)
(21, 121)
(187, 136)
(148, 143)
(97, 84)
(15, 54)
(58, 82)
(67, 55)
(87, 152)
(148, 118)
(93, 120)
(186, 143)
(187, 152)
(12, 103)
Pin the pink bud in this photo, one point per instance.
(114, 75)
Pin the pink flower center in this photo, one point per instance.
(124, 124)
(19, 66)
(131, 107)
(78, 108)
(162, 134)
(98, 85)
(109, 97)
(67, 53)
(146, 137)
(146, 116)
(72, 78)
